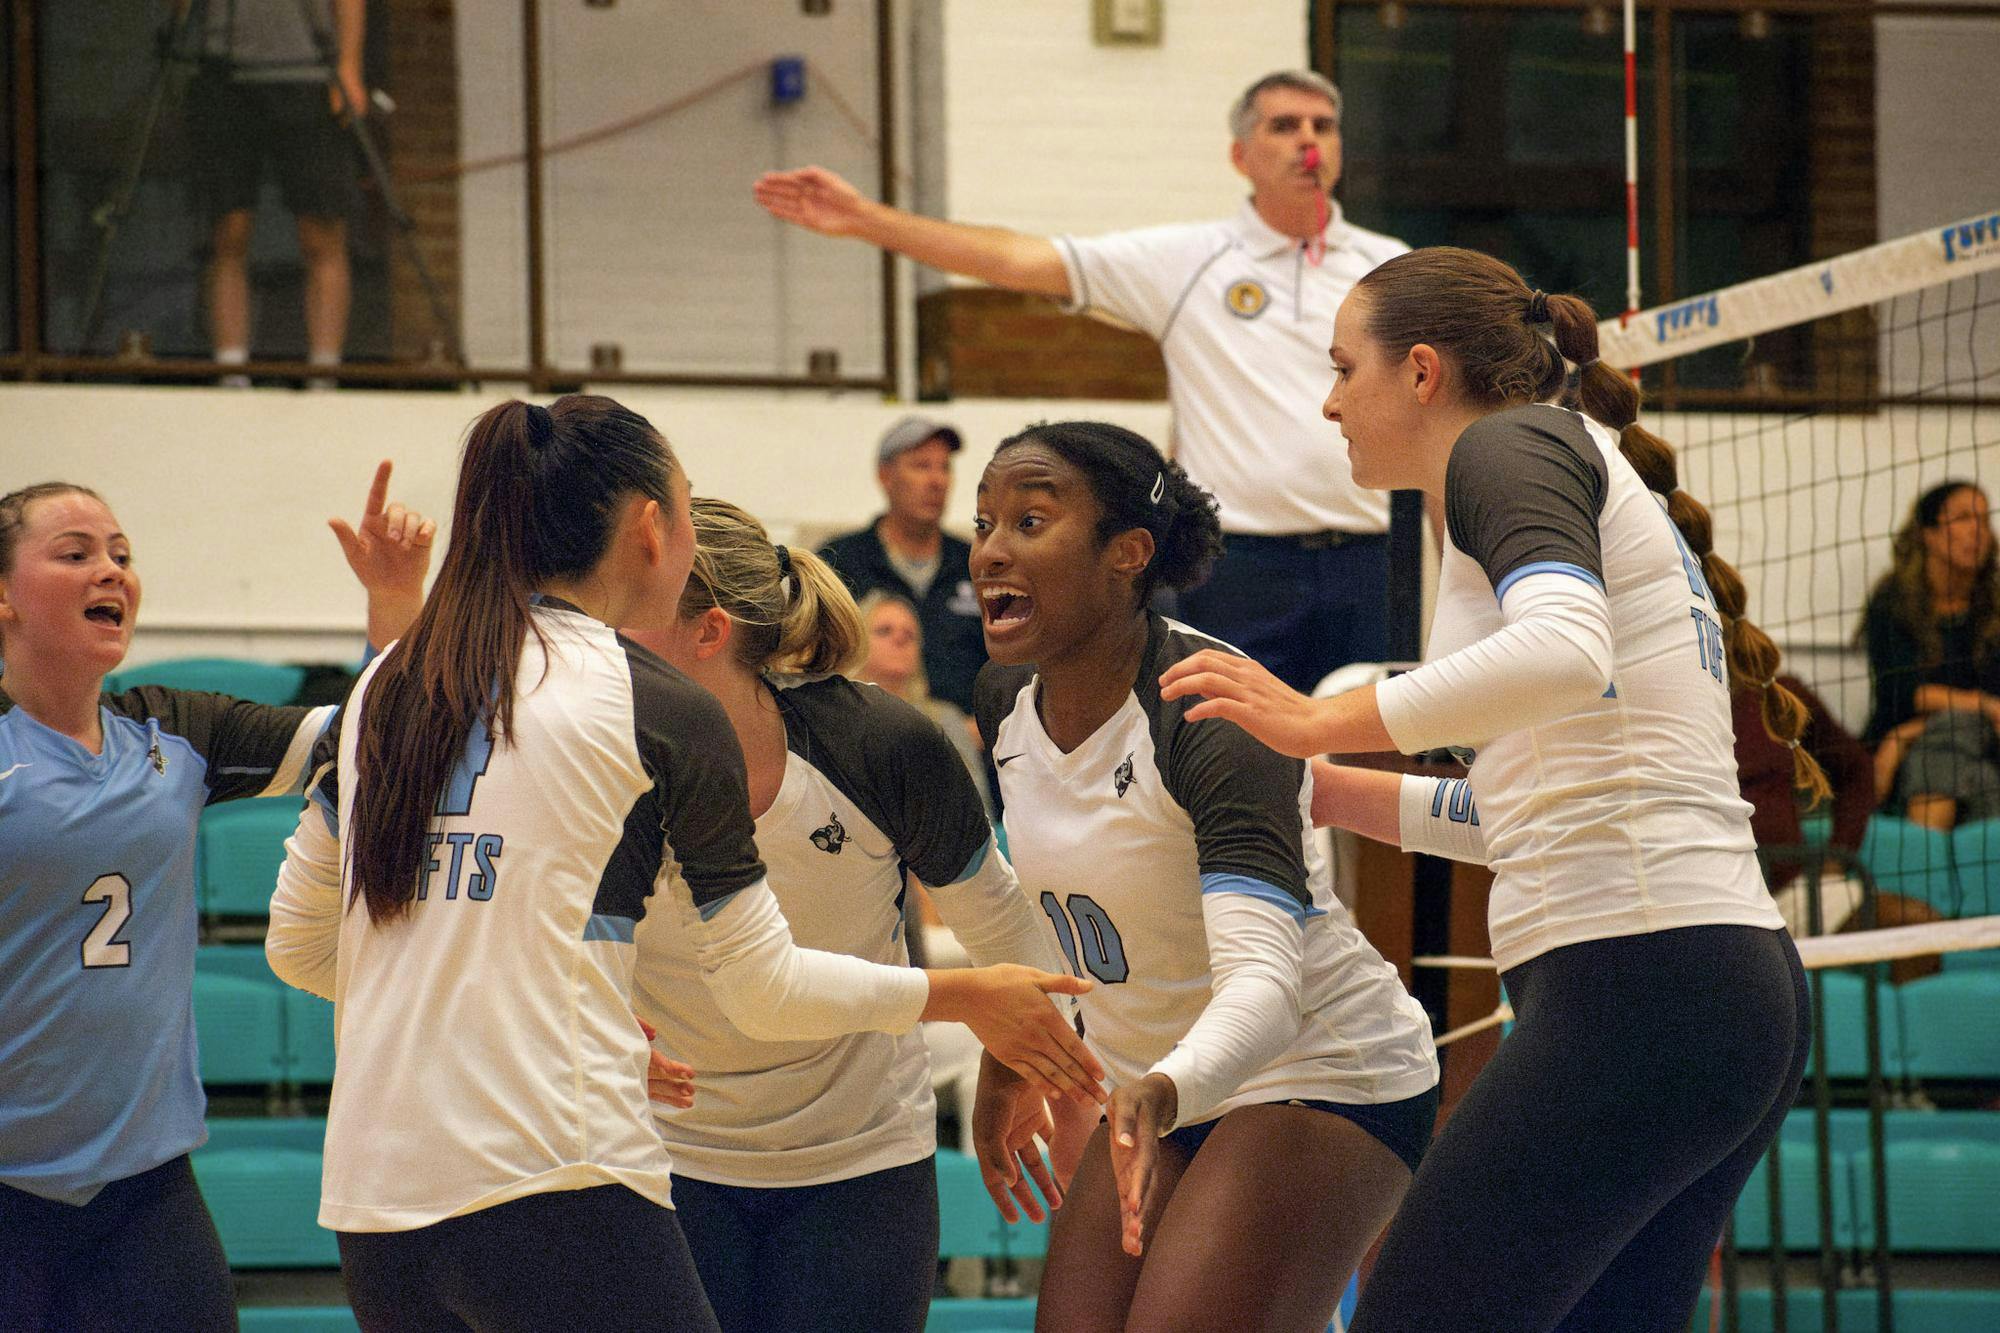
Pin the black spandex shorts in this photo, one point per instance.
(1404, 1127)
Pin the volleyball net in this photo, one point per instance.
(1813, 410)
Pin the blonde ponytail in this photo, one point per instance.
(791, 611)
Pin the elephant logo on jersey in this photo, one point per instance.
(1246, 298)
(831, 838)
(1122, 778)
(159, 760)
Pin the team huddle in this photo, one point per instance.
(603, 867)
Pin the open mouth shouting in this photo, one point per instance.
(1005, 608)
(106, 611)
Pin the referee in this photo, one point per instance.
(1242, 309)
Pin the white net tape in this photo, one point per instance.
(1803, 294)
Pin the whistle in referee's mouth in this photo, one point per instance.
(1311, 162)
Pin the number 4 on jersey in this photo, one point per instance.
(1103, 951)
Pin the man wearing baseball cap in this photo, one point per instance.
(907, 552)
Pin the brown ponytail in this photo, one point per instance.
(1477, 310)
(539, 491)
(791, 610)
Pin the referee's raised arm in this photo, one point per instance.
(821, 201)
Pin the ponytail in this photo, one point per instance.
(1479, 312)
(791, 611)
(1611, 398)
(538, 496)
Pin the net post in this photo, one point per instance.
(1822, 1087)
(1878, 1160)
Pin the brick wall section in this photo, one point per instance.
(420, 143)
(974, 342)
(1843, 190)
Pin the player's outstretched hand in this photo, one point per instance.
(1240, 690)
(1139, 1113)
(1007, 1006)
(667, 1080)
(1007, 1117)
(391, 551)
(813, 198)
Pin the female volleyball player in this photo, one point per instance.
(100, 1099)
(517, 781)
(788, 1143)
(1275, 1085)
(1578, 650)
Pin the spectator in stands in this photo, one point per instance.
(895, 662)
(906, 551)
(1765, 773)
(277, 78)
(1242, 309)
(1932, 631)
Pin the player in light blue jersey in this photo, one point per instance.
(100, 1101)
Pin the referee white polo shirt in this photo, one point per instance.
(1244, 322)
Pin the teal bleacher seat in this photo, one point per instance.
(1911, 860)
(1844, 1002)
(1918, 1310)
(298, 1133)
(1975, 857)
(308, 1037)
(1847, 1127)
(1816, 830)
(239, 1028)
(259, 682)
(969, 1226)
(1941, 1197)
(1799, 1190)
(266, 1205)
(296, 1319)
(241, 845)
(1951, 1024)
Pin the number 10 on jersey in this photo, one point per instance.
(1103, 952)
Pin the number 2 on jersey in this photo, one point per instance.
(1103, 951)
(102, 947)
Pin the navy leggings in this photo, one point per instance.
(850, 1254)
(1585, 1178)
(143, 1252)
(603, 1258)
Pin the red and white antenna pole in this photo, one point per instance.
(1631, 161)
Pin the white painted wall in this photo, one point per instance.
(1047, 132)
(654, 242)
(226, 494)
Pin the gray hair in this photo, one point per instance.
(1243, 116)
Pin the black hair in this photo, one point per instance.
(1136, 487)
(539, 494)
(1930, 505)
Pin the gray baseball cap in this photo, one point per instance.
(910, 432)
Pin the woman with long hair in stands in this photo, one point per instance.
(1932, 632)
(788, 1142)
(100, 794)
(1580, 655)
(511, 791)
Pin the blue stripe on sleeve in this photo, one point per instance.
(1547, 567)
(1220, 882)
(710, 908)
(978, 860)
(604, 926)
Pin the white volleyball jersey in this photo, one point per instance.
(488, 1047)
(1128, 842)
(871, 788)
(1624, 816)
